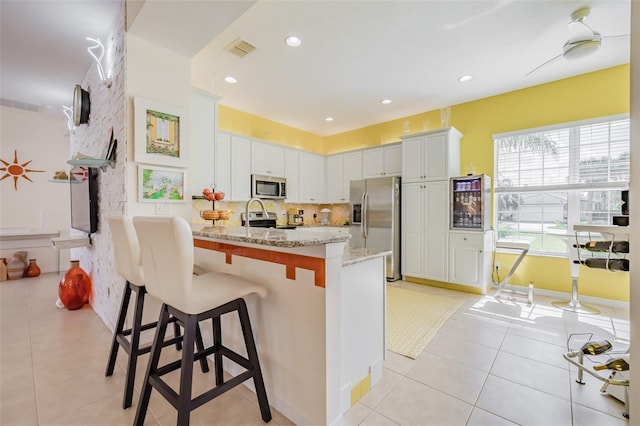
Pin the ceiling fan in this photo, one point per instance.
(583, 41)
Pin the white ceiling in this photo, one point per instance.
(353, 53)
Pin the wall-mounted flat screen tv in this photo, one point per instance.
(84, 198)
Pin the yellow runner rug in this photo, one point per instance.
(413, 318)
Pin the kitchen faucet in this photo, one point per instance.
(246, 210)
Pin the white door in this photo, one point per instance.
(412, 229)
(240, 168)
(465, 258)
(393, 160)
(335, 179)
(372, 163)
(352, 170)
(259, 158)
(412, 159)
(436, 157)
(222, 164)
(436, 230)
(291, 164)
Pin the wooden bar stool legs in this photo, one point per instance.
(182, 400)
(132, 345)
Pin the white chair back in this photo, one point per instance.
(126, 249)
(166, 247)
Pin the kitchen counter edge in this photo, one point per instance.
(267, 236)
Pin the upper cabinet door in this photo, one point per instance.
(291, 172)
(412, 159)
(335, 178)
(204, 118)
(352, 171)
(393, 160)
(240, 168)
(433, 155)
(372, 163)
(222, 164)
(312, 173)
(383, 161)
(267, 159)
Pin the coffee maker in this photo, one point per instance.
(294, 217)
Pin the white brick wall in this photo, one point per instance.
(108, 109)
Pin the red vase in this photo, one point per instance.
(33, 270)
(75, 287)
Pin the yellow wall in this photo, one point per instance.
(595, 94)
(239, 122)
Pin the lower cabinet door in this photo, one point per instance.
(465, 258)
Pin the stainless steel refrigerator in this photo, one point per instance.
(375, 218)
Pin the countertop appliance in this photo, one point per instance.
(271, 187)
(294, 217)
(375, 218)
(257, 220)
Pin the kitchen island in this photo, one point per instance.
(320, 331)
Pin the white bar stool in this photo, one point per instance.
(127, 261)
(166, 245)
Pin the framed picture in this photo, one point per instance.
(159, 134)
(161, 185)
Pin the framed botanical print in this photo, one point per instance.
(161, 184)
(159, 134)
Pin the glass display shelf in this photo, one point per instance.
(64, 181)
(92, 162)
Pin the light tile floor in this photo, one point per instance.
(494, 362)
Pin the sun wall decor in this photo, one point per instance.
(16, 170)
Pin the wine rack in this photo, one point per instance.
(601, 357)
(608, 252)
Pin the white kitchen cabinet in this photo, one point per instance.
(432, 155)
(204, 119)
(425, 230)
(393, 160)
(240, 165)
(222, 164)
(335, 178)
(312, 177)
(341, 170)
(352, 171)
(470, 259)
(383, 161)
(292, 174)
(233, 166)
(267, 159)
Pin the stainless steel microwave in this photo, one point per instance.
(270, 187)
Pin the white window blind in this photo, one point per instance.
(549, 179)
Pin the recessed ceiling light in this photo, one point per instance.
(293, 41)
(465, 78)
(230, 79)
(386, 101)
(328, 119)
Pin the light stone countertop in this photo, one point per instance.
(355, 255)
(286, 238)
(267, 236)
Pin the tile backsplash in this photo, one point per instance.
(339, 212)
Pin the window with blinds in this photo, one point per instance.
(549, 179)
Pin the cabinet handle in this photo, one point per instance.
(465, 238)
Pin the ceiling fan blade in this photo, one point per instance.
(545, 63)
(616, 35)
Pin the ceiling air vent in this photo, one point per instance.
(240, 47)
